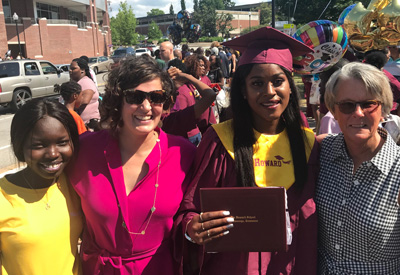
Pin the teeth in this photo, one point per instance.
(143, 117)
(357, 125)
(52, 166)
(269, 104)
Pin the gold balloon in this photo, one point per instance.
(377, 4)
(376, 27)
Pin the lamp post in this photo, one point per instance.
(15, 18)
(249, 21)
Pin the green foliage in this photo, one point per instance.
(253, 28)
(210, 39)
(224, 25)
(171, 10)
(154, 32)
(205, 15)
(123, 25)
(161, 40)
(310, 10)
(183, 5)
(155, 12)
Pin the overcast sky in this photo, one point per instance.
(141, 7)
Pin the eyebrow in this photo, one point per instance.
(274, 75)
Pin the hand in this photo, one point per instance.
(209, 225)
(177, 74)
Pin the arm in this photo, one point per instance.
(207, 94)
(86, 96)
(233, 63)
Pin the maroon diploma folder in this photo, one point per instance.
(260, 218)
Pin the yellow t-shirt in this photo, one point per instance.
(272, 158)
(35, 240)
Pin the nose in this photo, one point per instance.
(52, 152)
(146, 105)
(358, 111)
(270, 89)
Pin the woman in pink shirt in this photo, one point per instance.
(130, 177)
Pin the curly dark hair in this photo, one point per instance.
(192, 63)
(131, 73)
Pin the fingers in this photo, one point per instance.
(209, 225)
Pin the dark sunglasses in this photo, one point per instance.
(137, 96)
(348, 107)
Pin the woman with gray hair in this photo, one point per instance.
(357, 194)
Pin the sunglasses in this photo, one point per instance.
(348, 107)
(137, 96)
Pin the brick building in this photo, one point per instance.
(56, 30)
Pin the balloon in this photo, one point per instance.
(376, 27)
(183, 19)
(344, 13)
(193, 34)
(174, 33)
(329, 41)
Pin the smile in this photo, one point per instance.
(51, 167)
(271, 104)
(358, 125)
(144, 118)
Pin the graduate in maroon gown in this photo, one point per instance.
(266, 128)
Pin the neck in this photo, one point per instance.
(70, 106)
(271, 128)
(132, 144)
(30, 179)
(365, 151)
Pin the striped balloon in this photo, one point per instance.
(329, 41)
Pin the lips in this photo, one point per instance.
(360, 125)
(272, 103)
(51, 167)
(144, 118)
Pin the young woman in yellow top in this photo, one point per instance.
(40, 217)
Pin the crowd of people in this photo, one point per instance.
(112, 186)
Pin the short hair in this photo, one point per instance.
(177, 63)
(69, 88)
(30, 113)
(130, 74)
(375, 81)
(376, 58)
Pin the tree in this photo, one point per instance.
(155, 12)
(171, 10)
(224, 25)
(206, 16)
(183, 5)
(154, 32)
(123, 25)
(195, 5)
(310, 10)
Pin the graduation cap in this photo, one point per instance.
(268, 45)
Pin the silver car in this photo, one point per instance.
(100, 64)
(22, 80)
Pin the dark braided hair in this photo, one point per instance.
(244, 137)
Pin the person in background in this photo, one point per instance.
(393, 64)
(84, 57)
(41, 218)
(215, 73)
(70, 92)
(89, 105)
(199, 51)
(160, 62)
(185, 51)
(207, 54)
(166, 51)
(357, 194)
(178, 54)
(130, 177)
(266, 123)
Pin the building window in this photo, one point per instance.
(6, 9)
(48, 11)
(73, 15)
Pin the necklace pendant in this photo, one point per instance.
(47, 207)
(143, 232)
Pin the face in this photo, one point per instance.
(142, 119)
(48, 148)
(165, 52)
(267, 92)
(359, 126)
(75, 72)
(202, 68)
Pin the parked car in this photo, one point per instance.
(63, 67)
(141, 51)
(24, 79)
(121, 53)
(100, 64)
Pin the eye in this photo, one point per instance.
(278, 82)
(257, 83)
(36, 146)
(64, 142)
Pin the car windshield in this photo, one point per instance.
(119, 52)
(93, 60)
(9, 69)
(140, 50)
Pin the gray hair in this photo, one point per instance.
(375, 81)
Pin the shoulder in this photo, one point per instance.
(93, 140)
(177, 142)
(6, 188)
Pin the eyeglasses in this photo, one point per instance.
(137, 96)
(348, 107)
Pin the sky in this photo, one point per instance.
(141, 7)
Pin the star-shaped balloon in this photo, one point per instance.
(374, 27)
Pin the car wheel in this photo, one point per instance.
(95, 70)
(20, 97)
